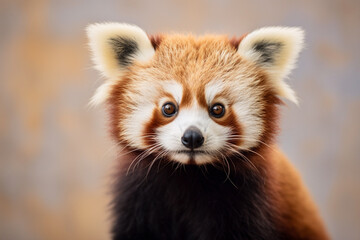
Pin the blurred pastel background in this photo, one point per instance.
(55, 153)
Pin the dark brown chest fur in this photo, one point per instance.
(193, 202)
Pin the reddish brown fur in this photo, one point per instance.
(187, 97)
(115, 104)
(299, 216)
(156, 121)
(230, 120)
(155, 40)
(235, 41)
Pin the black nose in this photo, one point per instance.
(192, 138)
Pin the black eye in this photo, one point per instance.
(169, 109)
(217, 110)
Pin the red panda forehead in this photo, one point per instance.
(191, 66)
(182, 53)
(193, 63)
(179, 54)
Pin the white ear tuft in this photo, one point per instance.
(114, 47)
(274, 49)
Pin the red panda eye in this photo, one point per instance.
(217, 110)
(169, 109)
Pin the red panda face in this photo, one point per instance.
(191, 100)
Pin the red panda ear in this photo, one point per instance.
(114, 47)
(274, 49)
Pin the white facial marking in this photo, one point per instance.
(211, 90)
(141, 112)
(174, 88)
(135, 123)
(252, 125)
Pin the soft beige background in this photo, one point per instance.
(56, 156)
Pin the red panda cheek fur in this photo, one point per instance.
(230, 120)
(114, 103)
(156, 121)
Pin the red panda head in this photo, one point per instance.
(193, 99)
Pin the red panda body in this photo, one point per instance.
(197, 118)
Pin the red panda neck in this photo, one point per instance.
(169, 197)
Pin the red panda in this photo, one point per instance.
(196, 119)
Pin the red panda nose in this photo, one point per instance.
(192, 138)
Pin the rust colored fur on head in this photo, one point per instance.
(155, 40)
(235, 41)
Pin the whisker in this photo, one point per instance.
(153, 161)
(224, 158)
(243, 156)
(256, 154)
(238, 137)
(142, 156)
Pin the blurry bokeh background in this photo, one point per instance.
(55, 153)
